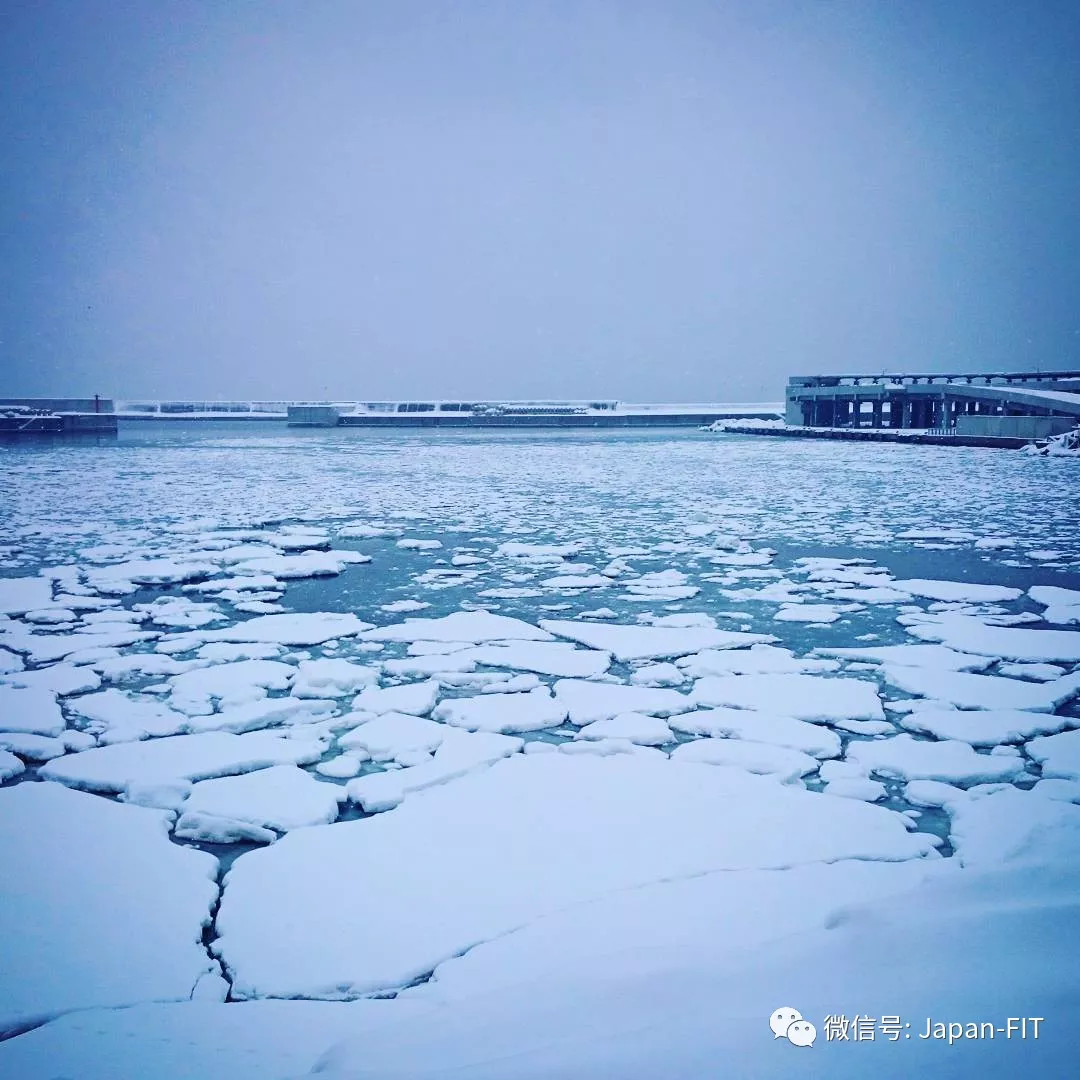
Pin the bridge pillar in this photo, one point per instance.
(876, 417)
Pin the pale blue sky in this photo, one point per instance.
(649, 201)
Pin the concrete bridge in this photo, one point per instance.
(1026, 404)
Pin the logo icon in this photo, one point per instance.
(789, 1023)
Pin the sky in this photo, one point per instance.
(669, 201)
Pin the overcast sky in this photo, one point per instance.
(670, 201)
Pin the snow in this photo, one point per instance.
(757, 660)
(986, 727)
(804, 697)
(331, 677)
(1059, 755)
(282, 797)
(342, 767)
(416, 698)
(643, 730)
(132, 934)
(586, 702)
(984, 691)
(532, 711)
(954, 591)
(506, 845)
(907, 758)
(32, 711)
(649, 642)
(924, 656)
(470, 627)
(177, 757)
(754, 726)
(785, 764)
(418, 667)
(459, 753)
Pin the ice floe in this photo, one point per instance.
(458, 754)
(281, 797)
(984, 691)
(417, 698)
(496, 856)
(30, 710)
(757, 660)
(470, 627)
(634, 727)
(907, 758)
(505, 713)
(1059, 755)
(803, 697)
(754, 726)
(986, 727)
(586, 702)
(765, 759)
(650, 642)
(111, 769)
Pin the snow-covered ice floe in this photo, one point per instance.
(133, 934)
(510, 844)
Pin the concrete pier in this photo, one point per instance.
(986, 404)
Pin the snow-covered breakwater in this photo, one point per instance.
(531, 750)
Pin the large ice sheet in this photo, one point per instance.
(942, 952)
(393, 733)
(332, 677)
(178, 757)
(193, 1040)
(804, 697)
(99, 907)
(650, 642)
(506, 845)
